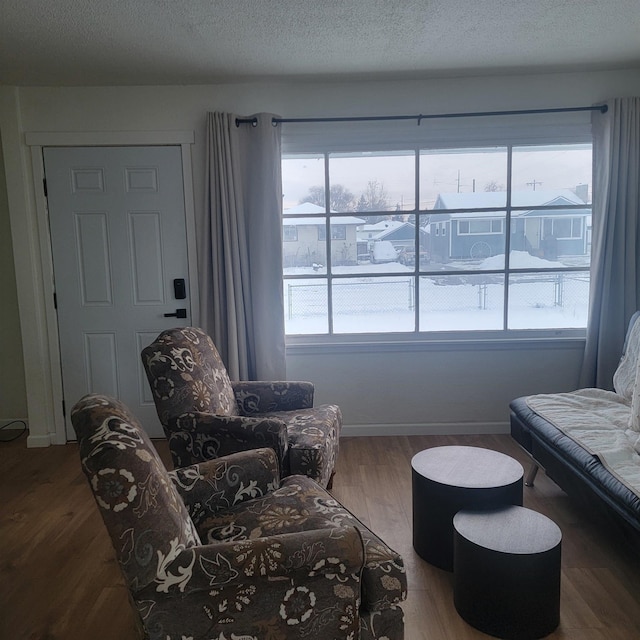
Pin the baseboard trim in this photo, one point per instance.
(428, 429)
(34, 442)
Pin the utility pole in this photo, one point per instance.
(533, 184)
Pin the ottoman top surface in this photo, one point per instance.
(512, 529)
(468, 467)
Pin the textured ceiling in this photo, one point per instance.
(91, 42)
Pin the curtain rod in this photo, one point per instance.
(474, 114)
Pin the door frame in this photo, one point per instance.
(48, 334)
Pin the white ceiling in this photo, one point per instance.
(118, 42)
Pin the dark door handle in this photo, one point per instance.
(180, 313)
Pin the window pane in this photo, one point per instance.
(449, 176)
(461, 303)
(306, 307)
(373, 305)
(546, 175)
(344, 240)
(463, 241)
(548, 300)
(303, 249)
(303, 180)
(552, 238)
(368, 181)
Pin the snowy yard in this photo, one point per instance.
(364, 304)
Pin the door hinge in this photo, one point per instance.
(64, 409)
(55, 300)
(44, 186)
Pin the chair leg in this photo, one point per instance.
(330, 483)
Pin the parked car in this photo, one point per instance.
(408, 257)
(383, 251)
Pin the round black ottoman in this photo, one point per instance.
(448, 479)
(507, 572)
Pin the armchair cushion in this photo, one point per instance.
(211, 486)
(301, 505)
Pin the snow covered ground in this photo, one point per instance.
(545, 300)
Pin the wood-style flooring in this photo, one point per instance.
(59, 578)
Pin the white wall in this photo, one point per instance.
(403, 391)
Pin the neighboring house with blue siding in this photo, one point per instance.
(547, 224)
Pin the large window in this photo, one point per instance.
(437, 241)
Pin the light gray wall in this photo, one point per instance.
(13, 395)
(440, 390)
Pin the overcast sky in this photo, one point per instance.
(547, 169)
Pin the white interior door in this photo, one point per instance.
(118, 234)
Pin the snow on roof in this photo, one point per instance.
(483, 199)
(348, 220)
(309, 207)
(383, 225)
(305, 207)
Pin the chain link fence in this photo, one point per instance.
(376, 296)
(440, 294)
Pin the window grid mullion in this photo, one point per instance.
(507, 244)
(417, 243)
(327, 210)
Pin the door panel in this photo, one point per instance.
(118, 237)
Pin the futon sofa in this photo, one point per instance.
(588, 441)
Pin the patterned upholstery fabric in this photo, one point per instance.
(303, 505)
(206, 415)
(223, 550)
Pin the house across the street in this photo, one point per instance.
(305, 237)
(402, 235)
(558, 223)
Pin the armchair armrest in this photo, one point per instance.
(208, 487)
(256, 396)
(197, 436)
(309, 580)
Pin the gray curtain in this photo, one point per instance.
(240, 247)
(615, 261)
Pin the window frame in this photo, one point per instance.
(418, 336)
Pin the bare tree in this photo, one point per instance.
(340, 198)
(493, 186)
(374, 198)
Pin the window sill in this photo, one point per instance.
(397, 343)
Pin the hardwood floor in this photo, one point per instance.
(59, 578)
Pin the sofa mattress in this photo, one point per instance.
(574, 468)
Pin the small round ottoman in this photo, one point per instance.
(507, 572)
(450, 478)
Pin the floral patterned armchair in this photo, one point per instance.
(205, 415)
(224, 549)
